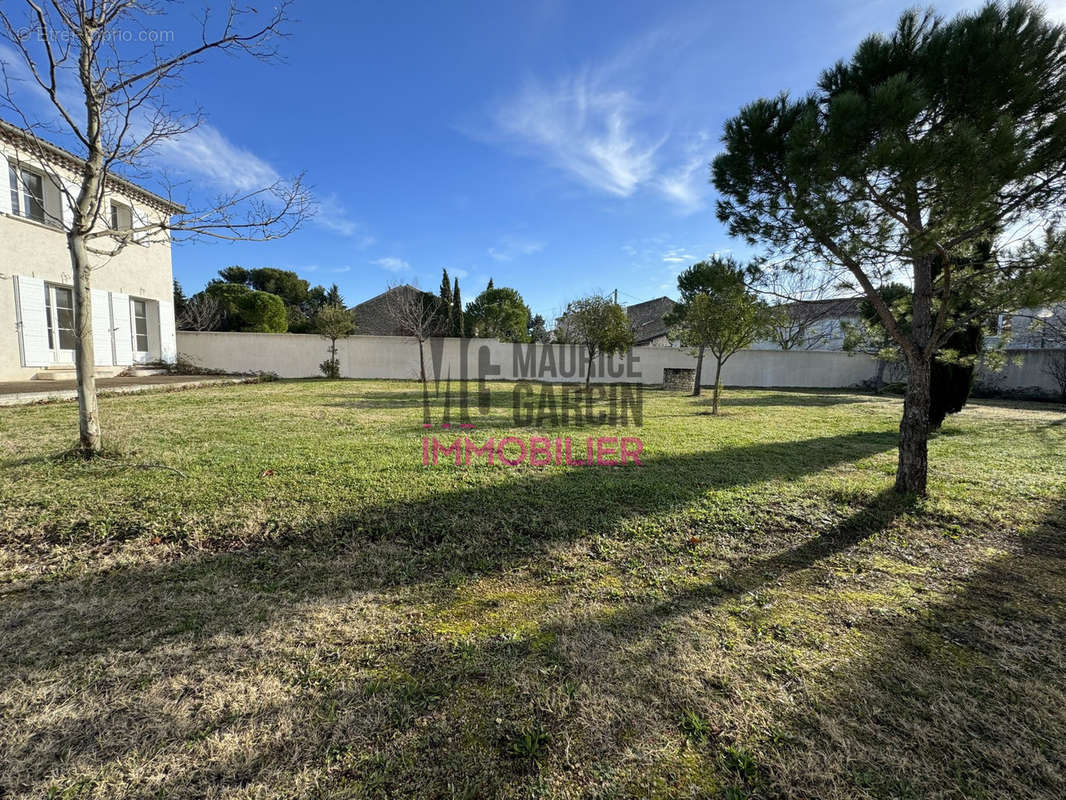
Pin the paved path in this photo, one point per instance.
(15, 393)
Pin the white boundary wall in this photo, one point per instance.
(298, 356)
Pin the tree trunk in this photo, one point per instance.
(913, 467)
(588, 371)
(912, 470)
(699, 372)
(717, 385)
(425, 385)
(89, 439)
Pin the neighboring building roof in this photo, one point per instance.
(52, 152)
(646, 318)
(833, 308)
(372, 316)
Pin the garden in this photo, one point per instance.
(262, 591)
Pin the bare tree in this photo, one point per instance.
(202, 312)
(108, 93)
(419, 315)
(802, 300)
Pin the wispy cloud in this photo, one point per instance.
(392, 264)
(676, 256)
(606, 126)
(206, 153)
(583, 128)
(510, 248)
(341, 269)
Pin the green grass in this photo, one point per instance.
(308, 611)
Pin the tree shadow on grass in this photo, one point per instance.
(795, 398)
(190, 622)
(962, 698)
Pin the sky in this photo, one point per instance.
(561, 148)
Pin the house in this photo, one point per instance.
(813, 325)
(1032, 328)
(132, 292)
(646, 319)
(372, 317)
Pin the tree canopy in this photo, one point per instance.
(927, 145)
(598, 323)
(499, 314)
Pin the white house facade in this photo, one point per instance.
(132, 291)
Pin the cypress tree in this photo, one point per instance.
(457, 311)
(445, 290)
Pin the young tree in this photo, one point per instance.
(715, 276)
(333, 322)
(202, 312)
(419, 315)
(108, 92)
(499, 314)
(724, 321)
(598, 323)
(927, 143)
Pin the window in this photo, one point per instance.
(27, 193)
(140, 326)
(121, 217)
(59, 308)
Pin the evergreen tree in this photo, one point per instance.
(928, 141)
(445, 290)
(333, 297)
(490, 286)
(457, 312)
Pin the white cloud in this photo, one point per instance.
(583, 128)
(392, 264)
(341, 269)
(677, 256)
(510, 248)
(205, 153)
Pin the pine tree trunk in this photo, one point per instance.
(717, 386)
(699, 373)
(89, 438)
(913, 466)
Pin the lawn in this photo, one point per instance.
(262, 592)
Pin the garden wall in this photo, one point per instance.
(298, 356)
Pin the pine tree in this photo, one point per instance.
(490, 286)
(333, 297)
(445, 290)
(457, 312)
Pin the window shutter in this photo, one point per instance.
(120, 315)
(168, 346)
(103, 352)
(32, 322)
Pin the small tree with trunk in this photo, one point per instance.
(723, 322)
(333, 322)
(598, 323)
(711, 277)
(927, 145)
(419, 315)
(108, 93)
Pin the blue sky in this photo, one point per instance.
(559, 147)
